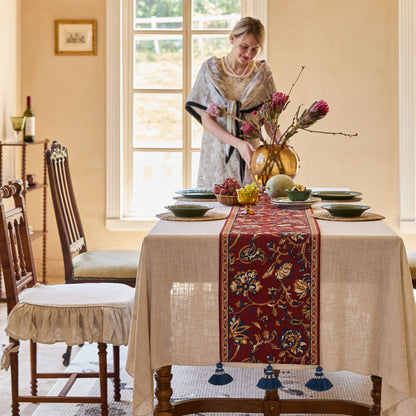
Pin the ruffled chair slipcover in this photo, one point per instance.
(88, 312)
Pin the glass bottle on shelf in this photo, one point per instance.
(29, 128)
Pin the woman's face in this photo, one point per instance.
(244, 48)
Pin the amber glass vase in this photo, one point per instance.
(273, 159)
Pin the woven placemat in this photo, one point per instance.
(209, 216)
(366, 216)
(181, 198)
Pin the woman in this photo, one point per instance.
(241, 85)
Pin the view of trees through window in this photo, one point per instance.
(166, 57)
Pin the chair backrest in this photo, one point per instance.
(15, 247)
(67, 215)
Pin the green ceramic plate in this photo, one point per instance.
(188, 211)
(197, 193)
(336, 195)
(345, 210)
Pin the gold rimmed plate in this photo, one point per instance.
(285, 202)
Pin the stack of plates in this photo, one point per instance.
(285, 202)
(197, 193)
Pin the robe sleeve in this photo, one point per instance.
(197, 99)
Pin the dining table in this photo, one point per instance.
(367, 312)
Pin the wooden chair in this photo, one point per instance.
(91, 312)
(81, 265)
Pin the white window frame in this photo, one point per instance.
(115, 123)
(407, 115)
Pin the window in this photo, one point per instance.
(154, 51)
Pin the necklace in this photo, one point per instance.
(229, 67)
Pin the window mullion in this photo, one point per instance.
(187, 63)
(126, 190)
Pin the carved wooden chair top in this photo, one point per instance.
(66, 210)
(16, 253)
(81, 264)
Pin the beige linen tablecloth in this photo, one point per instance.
(368, 314)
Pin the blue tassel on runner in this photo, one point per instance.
(220, 378)
(319, 382)
(269, 381)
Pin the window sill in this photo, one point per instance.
(130, 224)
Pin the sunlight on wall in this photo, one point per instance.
(9, 76)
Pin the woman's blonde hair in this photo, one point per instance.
(250, 25)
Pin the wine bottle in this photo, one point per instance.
(29, 129)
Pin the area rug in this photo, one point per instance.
(191, 382)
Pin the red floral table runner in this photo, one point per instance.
(269, 286)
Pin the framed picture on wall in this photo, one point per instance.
(75, 37)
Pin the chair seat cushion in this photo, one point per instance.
(106, 264)
(74, 314)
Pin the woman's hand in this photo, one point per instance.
(246, 150)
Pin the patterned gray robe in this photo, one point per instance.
(240, 96)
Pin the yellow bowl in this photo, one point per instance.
(247, 198)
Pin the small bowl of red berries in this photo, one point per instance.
(226, 193)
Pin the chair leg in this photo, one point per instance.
(102, 359)
(116, 366)
(33, 368)
(67, 356)
(14, 376)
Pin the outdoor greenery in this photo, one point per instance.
(159, 8)
(167, 14)
(164, 8)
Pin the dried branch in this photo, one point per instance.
(301, 69)
(334, 133)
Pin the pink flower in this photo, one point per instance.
(279, 100)
(318, 109)
(315, 112)
(215, 110)
(250, 130)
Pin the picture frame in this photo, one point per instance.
(75, 37)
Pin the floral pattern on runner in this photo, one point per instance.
(269, 286)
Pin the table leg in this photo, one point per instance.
(376, 396)
(271, 402)
(163, 392)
